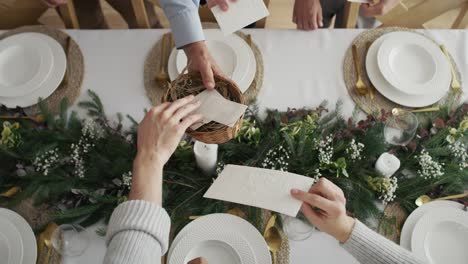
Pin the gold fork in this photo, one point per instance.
(455, 84)
(360, 87)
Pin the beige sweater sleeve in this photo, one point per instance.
(138, 233)
(368, 247)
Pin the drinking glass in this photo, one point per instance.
(70, 240)
(400, 129)
(297, 228)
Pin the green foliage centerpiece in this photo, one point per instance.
(83, 166)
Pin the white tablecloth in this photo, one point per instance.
(301, 69)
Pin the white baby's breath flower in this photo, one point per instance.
(429, 167)
(354, 150)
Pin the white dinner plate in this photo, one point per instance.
(441, 236)
(12, 239)
(413, 63)
(226, 223)
(214, 246)
(410, 223)
(224, 55)
(49, 85)
(390, 92)
(246, 65)
(27, 235)
(25, 63)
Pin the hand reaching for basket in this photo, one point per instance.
(158, 136)
(200, 60)
(163, 126)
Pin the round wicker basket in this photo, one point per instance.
(192, 84)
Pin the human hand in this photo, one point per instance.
(378, 9)
(331, 218)
(200, 60)
(307, 14)
(198, 261)
(223, 4)
(162, 129)
(54, 3)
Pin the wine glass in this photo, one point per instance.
(297, 228)
(400, 129)
(70, 240)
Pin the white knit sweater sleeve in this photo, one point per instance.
(138, 233)
(368, 247)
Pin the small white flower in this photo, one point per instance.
(388, 193)
(43, 163)
(127, 179)
(459, 151)
(325, 148)
(429, 167)
(354, 150)
(276, 159)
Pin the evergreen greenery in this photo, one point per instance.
(107, 160)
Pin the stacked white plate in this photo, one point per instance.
(219, 238)
(231, 53)
(437, 232)
(408, 68)
(17, 241)
(32, 65)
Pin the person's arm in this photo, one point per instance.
(325, 207)
(138, 230)
(188, 35)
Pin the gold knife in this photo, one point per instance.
(67, 54)
(455, 84)
(161, 76)
(371, 86)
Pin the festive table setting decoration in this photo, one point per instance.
(50, 57)
(82, 166)
(395, 67)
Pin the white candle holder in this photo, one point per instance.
(387, 164)
(206, 156)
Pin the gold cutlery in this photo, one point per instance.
(45, 243)
(272, 237)
(360, 87)
(455, 84)
(48, 244)
(67, 53)
(36, 119)
(10, 192)
(162, 76)
(371, 86)
(425, 199)
(399, 111)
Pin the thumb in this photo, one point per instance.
(207, 76)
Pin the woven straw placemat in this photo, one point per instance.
(380, 102)
(75, 68)
(155, 90)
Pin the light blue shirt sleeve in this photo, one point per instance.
(185, 21)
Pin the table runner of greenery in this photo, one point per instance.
(82, 166)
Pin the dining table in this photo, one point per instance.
(301, 69)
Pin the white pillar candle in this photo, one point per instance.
(206, 156)
(387, 164)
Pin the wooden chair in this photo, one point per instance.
(68, 14)
(205, 13)
(413, 13)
